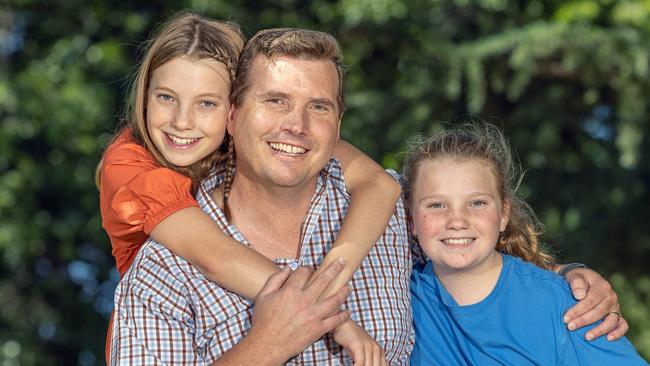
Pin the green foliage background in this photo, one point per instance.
(567, 81)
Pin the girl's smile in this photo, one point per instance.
(187, 108)
(458, 214)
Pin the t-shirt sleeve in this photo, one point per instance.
(136, 194)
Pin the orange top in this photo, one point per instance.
(136, 194)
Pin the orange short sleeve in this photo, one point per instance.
(136, 194)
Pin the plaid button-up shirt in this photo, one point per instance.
(167, 312)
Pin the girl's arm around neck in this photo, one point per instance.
(193, 235)
(373, 196)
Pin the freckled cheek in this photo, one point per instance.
(427, 226)
(157, 116)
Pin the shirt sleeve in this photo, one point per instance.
(136, 194)
(153, 322)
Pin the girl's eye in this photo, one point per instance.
(165, 97)
(478, 203)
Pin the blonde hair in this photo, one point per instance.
(485, 142)
(184, 34)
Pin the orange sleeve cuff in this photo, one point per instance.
(156, 217)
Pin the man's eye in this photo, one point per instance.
(274, 101)
(207, 103)
(321, 107)
(435, 205)
(478, 203)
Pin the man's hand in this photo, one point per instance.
(596, 300)
(288, 315)
(363, 349)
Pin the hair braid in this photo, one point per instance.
(230, 175)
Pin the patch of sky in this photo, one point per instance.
(598, 124)
(12, 38)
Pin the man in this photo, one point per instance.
(287, 201)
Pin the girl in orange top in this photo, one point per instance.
(175, 133)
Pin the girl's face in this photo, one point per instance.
(187, 108)
(458, 214)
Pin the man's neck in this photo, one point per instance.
(270, 217)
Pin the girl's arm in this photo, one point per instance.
(373, 196)
(139, 198)
(193, 235)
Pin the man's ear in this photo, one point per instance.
(230, 126)
(505, 214)
(338, 128)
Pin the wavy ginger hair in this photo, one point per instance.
(486, 143)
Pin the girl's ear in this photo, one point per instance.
(505, 215)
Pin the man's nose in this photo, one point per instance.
(183, 119)
(296, 121)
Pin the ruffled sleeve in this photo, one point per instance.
(136, 194)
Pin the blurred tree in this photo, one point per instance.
(568, 82)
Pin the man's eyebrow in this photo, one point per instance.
(325, 101)
(279, 94)
(273, 94)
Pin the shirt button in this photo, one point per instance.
(294, 265)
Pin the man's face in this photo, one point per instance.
(288, 122)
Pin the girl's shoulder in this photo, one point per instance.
(534, 277)
(125, 149)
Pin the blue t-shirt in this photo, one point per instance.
(518, 323)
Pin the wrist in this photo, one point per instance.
(565, 269)
(261, 351)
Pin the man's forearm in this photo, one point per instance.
(253, 351)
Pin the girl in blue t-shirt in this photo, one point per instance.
(483, 299)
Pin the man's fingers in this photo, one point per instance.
(579, 287)
(359, 357)
(274, 282)
(587, 311)
(375, 355)
(380, 358)
(332, 303)
(609, 323)
(325, 278)
(620, 330)
(299, 278)
(334, 320)
(577, 310)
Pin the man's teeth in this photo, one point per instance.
(463, 241)
(285, 148)
(181, 141)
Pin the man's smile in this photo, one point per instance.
(287, 148)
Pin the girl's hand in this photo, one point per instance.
(363, 349)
